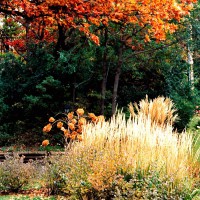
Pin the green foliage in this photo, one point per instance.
(43, 81)
(193, 127)
(43, 95)
(185, 109)
(179, 90)
(10, 28)
(29, 91)
(4, 107)
(194, 124)
(5, 134)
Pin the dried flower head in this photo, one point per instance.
(63, 128)
(73, 121)
(82, 121)
(59, 125)
(79, 130)
(51, 119)
(70, 115)
(73, 137)
(91, 115)
(45, 143)
(71, 126)
(74, 133)
(80, 111)
(47, 128)
(66, 133)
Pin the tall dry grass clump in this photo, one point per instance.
(145, 142)
(161, 110)
(137, 144)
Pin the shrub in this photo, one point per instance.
(53, 175)
(15, 174)
(194, 123)
(70, 125)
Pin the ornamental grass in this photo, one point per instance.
(145, 142)
(141, 157)
(137, 144)
(161, 110)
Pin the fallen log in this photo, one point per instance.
(40, 155)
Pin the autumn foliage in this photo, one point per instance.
(41, 20)
(71, 124)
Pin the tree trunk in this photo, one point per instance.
(104, 74)
(190, 60)
(103, 88)
(28, 53)
(191, 69)
(116, 81)
(60, 45)
(6, 46)
(74, 89)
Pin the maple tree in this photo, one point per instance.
(49, 20)
(42, 19)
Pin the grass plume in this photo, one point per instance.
(160, 110)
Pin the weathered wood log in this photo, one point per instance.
(29, 155)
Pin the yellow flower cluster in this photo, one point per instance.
(71, 124)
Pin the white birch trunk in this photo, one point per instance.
(190, 60)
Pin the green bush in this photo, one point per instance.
(194, 124)
(185, 112)
(193, 128)
(28, 93)
(4, 134)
